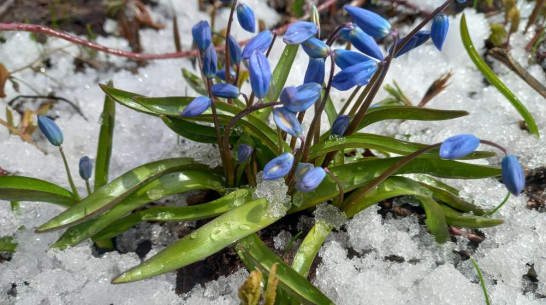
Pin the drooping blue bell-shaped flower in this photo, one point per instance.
(243, 153)
(210, 62)
(260, 74)
(299, 32)
(311, 179)
(197, 106)
(438, 30)
(278, 167)
(86, 167)
(365, 43)
(235, 52)
(302, 168)
(418, 39)
(459, 146)
(345, 58)
(373, 24)
(315, 71)
(259, 43)
(356, 75)
(225, 90)
(512, 174)
(245, 15)
(297, 99)
(287, 121)
(221, 74)
(315, 48)
(50, 130)
(340, 125)
(201, 35)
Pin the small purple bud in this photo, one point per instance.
(315, 71)
(365, 43)
(235, 51)
(340, 125)
(302, 168)
(259, 43)
(459, 146)
(297, 99)
(438, 30)
(210, 62)
(221, 74)
(201, 35)
(50, 130)
(243, 153)
(311, 179)
(356, 75)
(418, 39)
(278, 167)
(245, 15)
(287, 121)
(260, 74)
(197, 106)
(225, 90)
(299, 32)
(86, 167)
(512, 174)
(315, 48)
(373, 24)
(346, 58)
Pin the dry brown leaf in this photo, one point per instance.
(4, 75)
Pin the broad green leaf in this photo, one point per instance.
(436, 220)
(454, 201)
(104, 147)
(408, 113)
(125, 98)
(189, 213)
(7, 244)
(19, 188)
(458, 219)
(164, 186)
(208, 239)
(290, 279)
(115, 191)
(195, 82)
(309, 247)
(494, 80)
(193, 131)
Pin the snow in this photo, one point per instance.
(422, 272)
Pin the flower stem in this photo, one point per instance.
(88, 187)
(221, 146)
(70, 181)
(500, 205)
(486, 142)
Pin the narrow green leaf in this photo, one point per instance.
(436, 220)
(19, 188)
(7, 244)
(125, 98)
(193, 131)
(454, 201)
(309, 247)
(330, 110)
(195, 82)
(494, 80)
(458, 219)
(104, 146)
(408, 113)
(290, 279)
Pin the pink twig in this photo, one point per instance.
(34, 28)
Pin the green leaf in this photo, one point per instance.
(458, 219)
(408, 113)
(125, 98)
(114, 192)
(7, 244)
(494, 80)
(436, 220)
(19, 188)
(208, 239)
(290, 280)
(330, 110)
(167, 185)
(189, 213)
(309, 247)
(195, 82)
(193, 131)
(454, 201)
(106, 135)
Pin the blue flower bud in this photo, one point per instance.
(345, 32)
(86, 167)
(278, 167)
(50, 130)
(235, 51)
(438, 30)
(418, 39)
(315, 48)
(299, 32)
(245, 15)
(373, 24)
(315, 71)
(512, 175)
(311, 179)
(297, 99)
(356, 75)
(221, 74)
(302, 168)
(365, 43)
(260, 74)
(197, 106)
(259, 43)
(210, 62)
(340, 125)
(243, 153)
(459, 146)
(287, 121)
(346, 58)
(201, 35)
(225, 90)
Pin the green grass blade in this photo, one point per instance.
(106, 135)
(494, 80)
(208, 239)
(482, 282)
(19, 188)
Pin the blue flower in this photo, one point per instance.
(297, 99)
(221, 74)
(86, 167)
(356, 75)
(278, 167)
(210, 62)
(225, 90)
(235, 51)
(512, 175)
(438, 30)
(459, 146)
(315, 71)
(311, 179)
(418, 39)
(286, 120)
(346, 58)
(259, 43)
(315, 48)
(50, 130)
(243, 153)
(260, 74)
(197, 106)
(373, 24)
(299, 32)
(302, 168)
(245, 15)
(365, 43)
(201, 35)
(340, 125)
